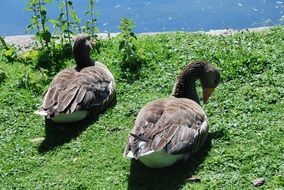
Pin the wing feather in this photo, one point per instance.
(66, 97)
(164, 137)
(49, 99)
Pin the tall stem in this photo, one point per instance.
(41, 15)
(67, 20)
(35, 10)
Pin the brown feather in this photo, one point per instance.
(49, 98)
(80, 96)
(66, 97)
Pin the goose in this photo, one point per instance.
(171, 129)
(76, 92)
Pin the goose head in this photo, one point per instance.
(209, 78)
(185, 86)
(82, 50)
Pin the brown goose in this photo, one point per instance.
(170, 129)
(74, 92)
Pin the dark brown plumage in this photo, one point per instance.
(167, 130)
(89, 86)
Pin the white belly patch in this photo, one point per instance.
(70, 118)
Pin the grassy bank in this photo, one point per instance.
(245, 116)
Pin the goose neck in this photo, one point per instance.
(185, 85)
(83, 60)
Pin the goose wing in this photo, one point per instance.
(70, 91)
(60, 92)
(100, 87)
(175, 124)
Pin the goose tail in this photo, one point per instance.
(134, 150)
(41, 112)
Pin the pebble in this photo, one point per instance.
(258, 181)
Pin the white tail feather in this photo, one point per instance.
(41, 112)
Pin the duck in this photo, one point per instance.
(74, 93)
(171, 129)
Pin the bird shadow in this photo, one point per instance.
(173, 177)
(57, 134)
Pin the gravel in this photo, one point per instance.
(24, 42)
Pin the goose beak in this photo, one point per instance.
(93, 43)
(207, 93)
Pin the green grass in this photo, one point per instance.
(245, 115)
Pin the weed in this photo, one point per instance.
(10, 52)
(4, 44)
(38, 20)
(132, 58)
(67, 21)
(53, 58)
(2, 76)
(91, 24)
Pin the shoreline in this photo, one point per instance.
(26, 41)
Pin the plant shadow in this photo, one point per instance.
(130, 72)
(173, 177)
(57, 134)
(130, 76)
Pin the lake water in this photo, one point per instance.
(157, 15)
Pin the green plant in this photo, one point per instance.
(52, 58)
(67, 22)
(38, 20)
(91, 27)
(91, 24)
(2, 76)
(10, 52)
(132, 58)
(4, 44)
(49, 58)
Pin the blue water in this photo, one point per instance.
(157, 15)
